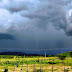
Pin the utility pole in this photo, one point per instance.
(24, 56)
(45, 54)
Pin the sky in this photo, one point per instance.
(36, 26)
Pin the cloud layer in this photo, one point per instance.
(34, 14)
(30, 20)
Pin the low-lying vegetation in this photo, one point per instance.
(59, 63)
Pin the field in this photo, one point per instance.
(35, 64)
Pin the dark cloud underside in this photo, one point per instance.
(6, 36)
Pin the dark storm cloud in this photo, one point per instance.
(6, 36)
(37, 24)
(41, 13)
(50, 14)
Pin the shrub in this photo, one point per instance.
(6, 70)
(70, 54)
(62, 57)
(37, 60)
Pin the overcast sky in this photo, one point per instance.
(36, 24)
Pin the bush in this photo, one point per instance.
(70, 54)
(37, 60)
(6, 70)
(61, 57)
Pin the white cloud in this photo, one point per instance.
(18, 5)
(11, 21)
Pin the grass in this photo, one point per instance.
(46, 64)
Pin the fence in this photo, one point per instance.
(40, 62)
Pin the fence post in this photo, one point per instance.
(67, 62)
(6, 70)
(22, 63)
(58, 60)
(14, 69)
(27, 65)
(24, 56)
(64, 67)
(5, 65)
(14, 66)
(34, 68)
(62, 62)
(42, 60)
(45, 54)
(40, 67)
(49, 60)
(22, 66)
(35, 60)
(52, 65)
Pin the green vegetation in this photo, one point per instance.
(71, 54)
(61, 57)
(68, 54)
(17, 63)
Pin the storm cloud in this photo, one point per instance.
(6, 36)
(35, 14)
(46, 22)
